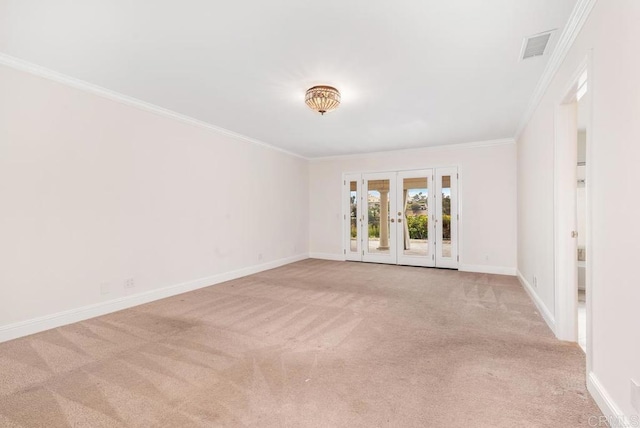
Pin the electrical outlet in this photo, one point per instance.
(535, 281)
(104, 288)
(128, 283)
(635, 395)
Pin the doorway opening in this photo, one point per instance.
(572, 212)
(581, 208)
(402, 217)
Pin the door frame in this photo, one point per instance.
(460, 204)
(565, 190)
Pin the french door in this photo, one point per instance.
(405, 217)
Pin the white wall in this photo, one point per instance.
(487, 195)
(613, 32)
(93, 191)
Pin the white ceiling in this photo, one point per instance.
(412, 73)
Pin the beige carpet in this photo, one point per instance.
(315, 343)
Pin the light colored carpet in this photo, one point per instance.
(314, 343)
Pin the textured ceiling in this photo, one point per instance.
(412, 73)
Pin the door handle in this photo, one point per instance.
(393, 220)
(574, 234)
(399, 220)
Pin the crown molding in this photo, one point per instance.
(459, 146)
(22, 65)
(576, 21)
(46, 73)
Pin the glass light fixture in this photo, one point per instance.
(322, 98)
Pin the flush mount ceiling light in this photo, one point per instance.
(322, 98)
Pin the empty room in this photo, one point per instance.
(319, 214)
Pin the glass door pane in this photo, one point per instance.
(445, 207)
(352, 217)
(416, 226)
(380, 231)
(446, 217)
(414, 243)
(378, 213)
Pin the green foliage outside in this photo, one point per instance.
(418, 227)
(446, 226)
(374, 221)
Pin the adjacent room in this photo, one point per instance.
(334, 214)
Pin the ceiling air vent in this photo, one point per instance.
(535, 45)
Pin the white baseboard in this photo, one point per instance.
(24, 328)
(542, 308)
(327, 256)
(497, 270)
(614, 416)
